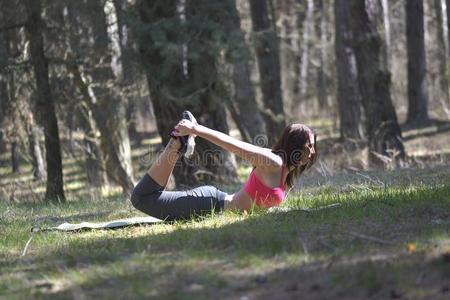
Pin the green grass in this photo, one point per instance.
(383, 241)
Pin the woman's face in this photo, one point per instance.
(309, 149)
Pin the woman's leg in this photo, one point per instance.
(149, 196)
(163, 166)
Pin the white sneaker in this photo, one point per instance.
(190, 144)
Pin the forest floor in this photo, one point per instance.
(389, 238)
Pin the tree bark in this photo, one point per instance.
(384, 134)
(447, 2)
(387, 31)
(187, 80)
(290, 43)
(348, 95)
(305, 48)
(44, 103)
(105, 101)
(128, 75)
(93, 160)
(34, 148)
(417, 81)
(94, 166)
(321, 35)
(114, 168)
(266, 45)
(442, 54)
(15, 158)
(3, 95)
(250, 125)
(83, 110)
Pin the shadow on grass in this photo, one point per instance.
(216, 260)
(78, 217)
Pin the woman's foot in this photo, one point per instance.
(187, 143)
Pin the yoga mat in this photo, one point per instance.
(102, 225)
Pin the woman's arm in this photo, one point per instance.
(257, 156)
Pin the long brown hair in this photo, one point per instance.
(291, 147)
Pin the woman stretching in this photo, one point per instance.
(273, 171)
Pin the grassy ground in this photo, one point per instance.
(390, 241)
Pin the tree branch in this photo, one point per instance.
(13, 26)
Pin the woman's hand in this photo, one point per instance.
(184, 127)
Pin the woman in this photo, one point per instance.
(274, 170)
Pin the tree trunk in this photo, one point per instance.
(36, 155)
(3, 101)
(128, 76)
(290, 43)
(447, 6)
(13, 115)
(251, 125)
(243, 106)
(45, 105)
(93, 160)
(15, 158)
(2, 141)
(384, 134)
(188, 80)
(105, 101)
(387, 31)
(442, 55)
(447, 2)
(95, 171)
(305, 48)
(34, 148)
(321, 35)
(114, 165)
(417, 81)
(348, 95)
(266, 45)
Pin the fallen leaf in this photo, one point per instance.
(411, 248)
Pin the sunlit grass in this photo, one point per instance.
(387, 230)
(370, 242)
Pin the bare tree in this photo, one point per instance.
(44, 103)
(305, 47)
(8, 114)
(387, 31)
(266, 45)
(243, 100)
(417, 81)
(348, 96)
(34, 147)
(187, 78)
(442, 54)
(322, 67)
(447, 2)
(289, 19)
(98, 82)
(76, 93)
(383, 131)
(3, 89)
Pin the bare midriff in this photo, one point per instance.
(241, 200)
(238, 201)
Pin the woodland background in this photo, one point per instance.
(89, 89)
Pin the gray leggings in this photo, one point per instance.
(150, 198)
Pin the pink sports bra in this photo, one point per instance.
(263, 195)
